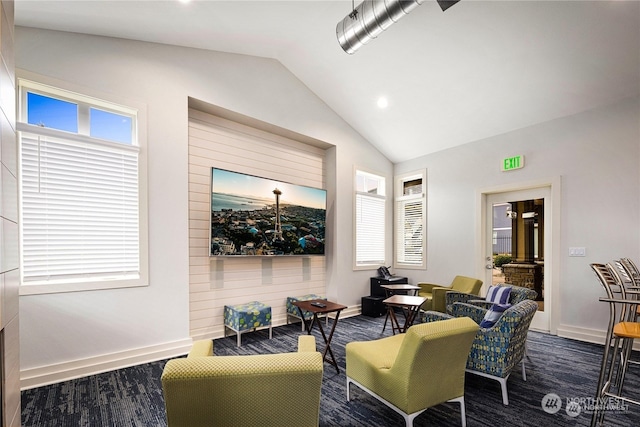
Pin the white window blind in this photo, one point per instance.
(80, 210)
(410, 220)
(369, 230)
(369, 220)
(409, 229)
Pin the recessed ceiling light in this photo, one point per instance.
(383, 102)
(185, 1)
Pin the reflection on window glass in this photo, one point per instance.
(369, 183)
(110, 126)
(52, 113)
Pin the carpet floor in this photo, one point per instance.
(133, 396)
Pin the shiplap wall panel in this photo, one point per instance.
(216, 282)
(9, 226)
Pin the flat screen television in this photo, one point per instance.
(254, 216)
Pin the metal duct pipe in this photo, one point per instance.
(372, 17)
(369, 19)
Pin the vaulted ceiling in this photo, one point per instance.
(479, 69)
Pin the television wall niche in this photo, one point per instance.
(254, 216)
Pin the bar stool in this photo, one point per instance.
(632, 268)
(629, 276)
(621, 328)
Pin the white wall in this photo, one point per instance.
(595, 154)
(71, 334)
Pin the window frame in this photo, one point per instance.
(400, 201)
(380, 196)
(87, 98)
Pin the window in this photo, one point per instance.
(370, 220)
(410, 213)
(81, 195)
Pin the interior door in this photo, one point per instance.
(518, 244)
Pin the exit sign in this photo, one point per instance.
(511, 163)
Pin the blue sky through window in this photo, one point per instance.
(110, 126)
(58, 114)
(52, 113)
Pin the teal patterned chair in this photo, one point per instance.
(518, 294)
(496, 350)
(292, 310)
(247, 317)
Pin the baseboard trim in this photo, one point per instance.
(51, 374)
(582, 334)
(587, 335)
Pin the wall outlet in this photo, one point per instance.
(577, 252)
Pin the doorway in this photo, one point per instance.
(518, 241)
(518, 245)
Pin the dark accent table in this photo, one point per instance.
(409, 304)
(397, 289)
(372, 305)
(329, 307)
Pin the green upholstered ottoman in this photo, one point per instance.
(292, 310)
(247, 317)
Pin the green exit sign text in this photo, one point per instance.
(511, 163)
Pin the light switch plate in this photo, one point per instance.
(577, 252)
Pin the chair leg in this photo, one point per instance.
(463, 411)
(524, 372)
(625, 355)
(606, 376)
(502, 381)
(603, 372)
(503, 387)
(407, 417)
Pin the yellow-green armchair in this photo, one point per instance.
(255, 390)
(417, 370)
(436, 294)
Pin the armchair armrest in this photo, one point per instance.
(306, 343)
(434, 316)
(480, 303)
(202, 348)
(428, 287)
(476, 313)
(457, 296)
(438, 295)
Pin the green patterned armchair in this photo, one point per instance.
(255, 390)
(416, 370)
(498, 349)
(518, 294)
(435, 294)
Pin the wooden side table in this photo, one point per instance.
(411, 305)
(319, 307)
(402, 289)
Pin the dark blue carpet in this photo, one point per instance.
(133, 396)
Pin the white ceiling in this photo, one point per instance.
(481, 68)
